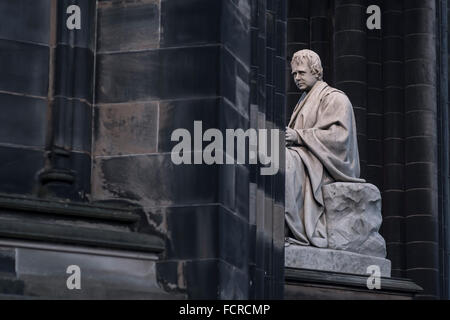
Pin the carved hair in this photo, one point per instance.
(312, 60)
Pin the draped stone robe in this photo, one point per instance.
(326, 151)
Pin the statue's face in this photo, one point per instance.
(303, 77)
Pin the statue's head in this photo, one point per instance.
(306, 69)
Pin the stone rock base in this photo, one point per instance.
(353, 214)
(302, 257)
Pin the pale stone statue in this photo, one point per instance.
(327, 205)
(321, 148)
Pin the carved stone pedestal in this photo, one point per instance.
(313, 273)
(353, 216)
(301, 284)
(301, 257)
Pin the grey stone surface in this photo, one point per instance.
(307, 257)
(353, 215)
(104, 274)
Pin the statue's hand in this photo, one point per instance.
(291, 136)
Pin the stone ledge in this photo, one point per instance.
(357, 281)
(67, 208)
(303, 284)
(96, 225)
(76, 235)
(303, 257)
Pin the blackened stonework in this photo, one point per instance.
(422, 122)
(18, 172)
(24, 79)
(71, 94)
(374, 168)
(444, 13)
(193, 63)
(47, 95)
(393, 135)
(350, 63)
(18, 129)
(321, 27)
(267, 110)
(16, 60)
(79, 64)
(298, 38)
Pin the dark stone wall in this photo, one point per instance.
(89, 117)
(374, 112)
(421, 180)
(298, 32)
(444, 140)
(24, 61)
(46, 90)
(267, 110)
(393, 134)
(350, 64)
(71, 92)
(161, 65)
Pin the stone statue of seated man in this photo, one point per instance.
(322, 149)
